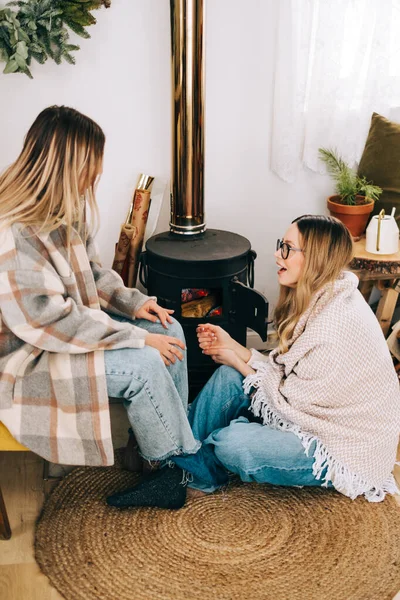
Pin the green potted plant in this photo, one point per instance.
(355, 196)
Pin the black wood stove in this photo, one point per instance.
(204, 275)
(217, 263)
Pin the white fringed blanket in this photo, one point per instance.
(336, 385)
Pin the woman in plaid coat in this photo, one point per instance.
(71, 333)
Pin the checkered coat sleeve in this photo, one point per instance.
(114, 297)
(53, 333)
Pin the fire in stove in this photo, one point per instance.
(199, 303)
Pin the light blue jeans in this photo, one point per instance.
(234, 441)
(155, 396)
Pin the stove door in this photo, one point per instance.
(249, 308)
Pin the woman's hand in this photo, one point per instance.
(226, 356)
(151, 311)
(209, 335)
(223, 356)
(214, 337)
(166, 345)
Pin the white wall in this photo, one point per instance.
(122, 80)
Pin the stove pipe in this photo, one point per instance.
(187, 192)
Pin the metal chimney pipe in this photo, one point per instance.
(187, 192)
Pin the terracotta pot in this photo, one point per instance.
(354, 216)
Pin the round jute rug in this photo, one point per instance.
(250, 542)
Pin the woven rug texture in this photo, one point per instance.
(249, 542)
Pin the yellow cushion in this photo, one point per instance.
(7, 442)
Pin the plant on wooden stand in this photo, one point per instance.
(355, 196)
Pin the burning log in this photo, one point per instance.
(198, 308)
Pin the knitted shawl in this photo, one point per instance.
(336, 386)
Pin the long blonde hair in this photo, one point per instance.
(55, 173)
(328, 249)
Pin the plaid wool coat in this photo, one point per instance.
(55, 324)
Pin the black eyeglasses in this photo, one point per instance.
(286, 249)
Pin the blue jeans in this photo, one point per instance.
(155, 396)
(234, 441)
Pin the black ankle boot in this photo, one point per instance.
(161, 489)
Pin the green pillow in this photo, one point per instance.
(380, 162)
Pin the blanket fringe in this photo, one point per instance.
(325, 466)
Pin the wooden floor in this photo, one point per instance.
(21, 476)
(23, 489)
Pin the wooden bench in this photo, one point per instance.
(7, 443)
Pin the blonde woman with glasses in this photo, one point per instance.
(323, 409)
(71, 334)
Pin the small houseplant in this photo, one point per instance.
(355, 196)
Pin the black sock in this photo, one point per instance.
(163, 489)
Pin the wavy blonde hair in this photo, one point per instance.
(328, 249)
(55, 174)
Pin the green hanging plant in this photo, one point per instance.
(38, 30)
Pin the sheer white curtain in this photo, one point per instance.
(337, 61)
